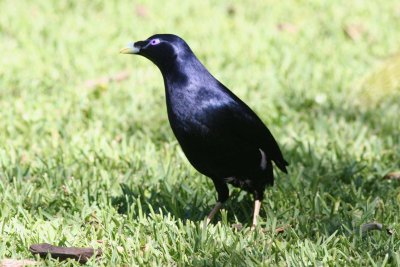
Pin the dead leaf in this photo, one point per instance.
(237, 226)
(82, 255)
(24, 158)
(287, 27)
(65, 189)
(120, 249)
(371, 226)
(392, 176)
(142, 11)
(375, 226)
(231, 10)
(118, 138)
(354, 31)
(145, 248)
(105, 80)
(280, 230)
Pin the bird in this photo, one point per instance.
(221, 136)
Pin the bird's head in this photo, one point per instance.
(161, 49)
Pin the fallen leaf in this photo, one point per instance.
(280, 230)
(145, 248)
(287, 27)
(65, 189)
(231, 10)
(389, 231)
(120, 249)
(24, 158)
(237, 226)
(82, 255)
(105, 80)
(392, 176)
(371, 226)
(118, 138)
(142, 11)
(354, 31)
(375, 226)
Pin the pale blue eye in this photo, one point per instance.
(155, 41)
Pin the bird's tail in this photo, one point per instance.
(269, 173)
(282, 164)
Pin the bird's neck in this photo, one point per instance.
(183, 72)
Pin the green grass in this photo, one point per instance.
(83, 163)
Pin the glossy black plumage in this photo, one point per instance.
(220, 135)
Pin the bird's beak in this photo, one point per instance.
(130, 49)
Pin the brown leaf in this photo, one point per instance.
(389, 231)
(118, 138)
(231, 10)
(392, 176)
(354, 31)
(120, 249)
(375, 226)
(145, 248)
(105, 80)
(120, 76)
(280, 230)
(371, 226)
(142, 11)
(237, 226)
(287, 27)
(82, 255)
(24, 158)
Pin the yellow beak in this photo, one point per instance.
(130, 49)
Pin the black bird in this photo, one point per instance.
(220, 135)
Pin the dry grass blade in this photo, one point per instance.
(16, 263)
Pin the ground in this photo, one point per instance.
(87, 157)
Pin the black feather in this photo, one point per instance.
(220, 135)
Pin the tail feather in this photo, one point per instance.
(282, 165)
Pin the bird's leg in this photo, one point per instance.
(216, 208)
(257, 206)
(223, 194)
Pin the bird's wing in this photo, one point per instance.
(231, 116)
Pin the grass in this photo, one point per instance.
(85, 158)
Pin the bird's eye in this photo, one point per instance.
(155, 41)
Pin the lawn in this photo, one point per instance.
(87, 157)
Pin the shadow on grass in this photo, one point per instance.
(328, 188)
(182, 202)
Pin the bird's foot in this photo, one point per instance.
(257, 206)
(216, 208)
